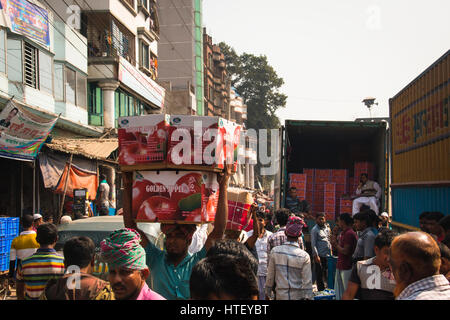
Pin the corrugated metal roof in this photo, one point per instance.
(99, 149)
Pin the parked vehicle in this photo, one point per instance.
(99, 228)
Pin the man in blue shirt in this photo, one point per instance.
(170, 269)
(293, 204)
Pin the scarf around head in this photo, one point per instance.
(294, 227)
(122, 249)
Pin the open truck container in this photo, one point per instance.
(334, 145)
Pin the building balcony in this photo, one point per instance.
(107, 37)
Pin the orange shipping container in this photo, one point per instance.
(420, 128)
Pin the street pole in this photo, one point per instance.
(65, 188)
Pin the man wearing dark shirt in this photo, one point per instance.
(345, 247)
(372, 278)
(293, 204)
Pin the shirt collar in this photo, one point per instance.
(292, 243)
(423, 285)
(46, 250)
(27, 232)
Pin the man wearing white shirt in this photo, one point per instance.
(261, 249)
(368, 193)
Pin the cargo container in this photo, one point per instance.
(420, 145)
(331, 145)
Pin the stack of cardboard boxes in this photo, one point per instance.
(174, 161)
(328, 190)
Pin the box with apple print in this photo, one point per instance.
(174, 196)
(202, 141)
(143, 139)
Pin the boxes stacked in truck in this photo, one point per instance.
(345, 206)
(330, 200)
(298, 180)
(310, 174)
(363, 167)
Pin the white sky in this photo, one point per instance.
(334, 53)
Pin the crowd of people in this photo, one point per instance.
(271, 262)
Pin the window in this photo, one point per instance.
(15, 60)
(211, 93)
(2, 51)
(143, 3)
(127, 105)
(30, 66)
(59, 82)
(70, 85)
(81, 90)
(145, 57)
(95, 103)
(45, 72)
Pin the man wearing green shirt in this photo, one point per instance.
(170, 269)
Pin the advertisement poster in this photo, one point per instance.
(22, 134)
(27, 19)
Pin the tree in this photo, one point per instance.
(258, 84)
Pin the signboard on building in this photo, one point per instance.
(140, 83)
(22, 134)
(27, 19)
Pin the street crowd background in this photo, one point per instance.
(358, 257)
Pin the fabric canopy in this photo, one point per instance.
(78, 179)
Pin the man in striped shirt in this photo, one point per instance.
(45, 264)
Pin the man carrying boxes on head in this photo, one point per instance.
(368, 193)
(171, 269)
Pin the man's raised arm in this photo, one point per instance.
(220, 221)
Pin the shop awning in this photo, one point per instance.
(99, 149)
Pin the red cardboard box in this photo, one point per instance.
(143, 139)
(171, 196)
(322, 179)
(323, 173)
(343, 173)
(297, 177)
(239, 204)
(330, 187)
(202, 141)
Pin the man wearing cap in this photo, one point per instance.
(37, 221)
(171, 268)
(289, 267)
(384, 222)
(128, 270)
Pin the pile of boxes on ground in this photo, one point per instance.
(9, 229)
(174, 160)
(329, 190)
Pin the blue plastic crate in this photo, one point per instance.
(3, 227)
(13, 227)
(4, 261)
(4, 248)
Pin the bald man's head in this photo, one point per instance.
(414, 256)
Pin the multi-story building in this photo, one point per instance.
(43, 71)
(89, 62)
(216, 80)
(122, 40)
(238, 109)
(181, 55)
